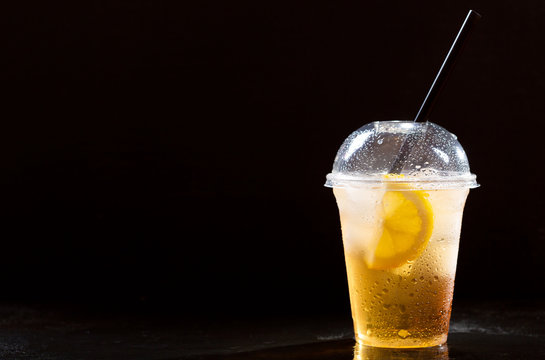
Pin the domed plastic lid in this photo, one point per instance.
(427, 156)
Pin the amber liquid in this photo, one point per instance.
(410, 305)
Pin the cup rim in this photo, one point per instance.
(443, 181)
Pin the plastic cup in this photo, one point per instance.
(401, 232)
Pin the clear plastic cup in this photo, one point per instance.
(401, 231)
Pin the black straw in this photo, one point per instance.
(453, 54)
(440, 79)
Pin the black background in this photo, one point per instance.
(170, 156)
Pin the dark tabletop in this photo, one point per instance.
(479, 330)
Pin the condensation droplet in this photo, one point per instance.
(403, 333)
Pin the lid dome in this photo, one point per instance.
(426, 151)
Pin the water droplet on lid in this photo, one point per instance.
(403, 333)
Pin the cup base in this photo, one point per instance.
(364, 352)
(400, 342)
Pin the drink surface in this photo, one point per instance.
(407, 305)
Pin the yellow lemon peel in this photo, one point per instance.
(407, 225)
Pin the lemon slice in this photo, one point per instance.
(407, 224)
